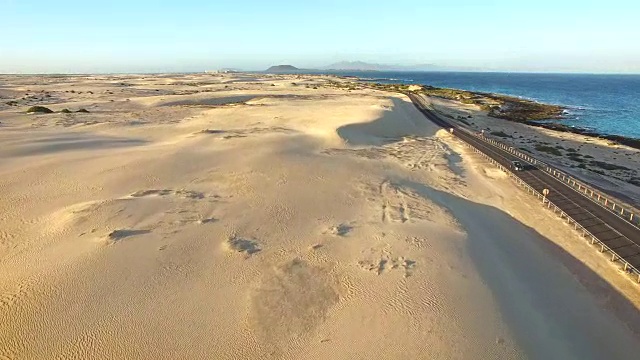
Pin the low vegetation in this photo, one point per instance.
(548, 149)
(501, 134)
(39, 110)
(607, 166)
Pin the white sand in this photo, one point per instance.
(223, 217)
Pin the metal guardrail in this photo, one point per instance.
(626, 266)
(606, 201)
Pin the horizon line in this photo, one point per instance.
(302, 71)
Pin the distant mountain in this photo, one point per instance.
(363, 66)
(282, 69)
(359, 66)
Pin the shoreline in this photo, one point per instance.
(506, 107)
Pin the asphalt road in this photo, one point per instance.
(619, 235)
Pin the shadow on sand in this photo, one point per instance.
(555, 305)
(71, 142)
(389, 127)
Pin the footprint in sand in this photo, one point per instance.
(242, 245)
(186, 194)
(387, 263)
(289, 301)
(117, 235)
(339, 230)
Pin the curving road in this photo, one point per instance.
(617, 234)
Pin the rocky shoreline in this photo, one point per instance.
(512, 109)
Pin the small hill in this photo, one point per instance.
(282, 69)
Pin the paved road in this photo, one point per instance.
(618, 234)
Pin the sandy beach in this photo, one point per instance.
(239, 216)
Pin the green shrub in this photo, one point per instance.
(39, 109)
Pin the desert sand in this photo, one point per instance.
(231, 216)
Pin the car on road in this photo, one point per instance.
(517, 166)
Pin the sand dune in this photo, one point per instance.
(223, 217)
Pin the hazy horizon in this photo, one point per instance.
(192, 36)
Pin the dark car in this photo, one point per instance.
(517, 166)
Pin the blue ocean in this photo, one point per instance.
(607, 104)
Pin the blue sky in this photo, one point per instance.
(196, 35)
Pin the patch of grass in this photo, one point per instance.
(572, 150)
(65, 111)
(548, 149)
(12, 103)
(575, 157)
(39, 110)
(84, 111)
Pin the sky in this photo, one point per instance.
(73, 36)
